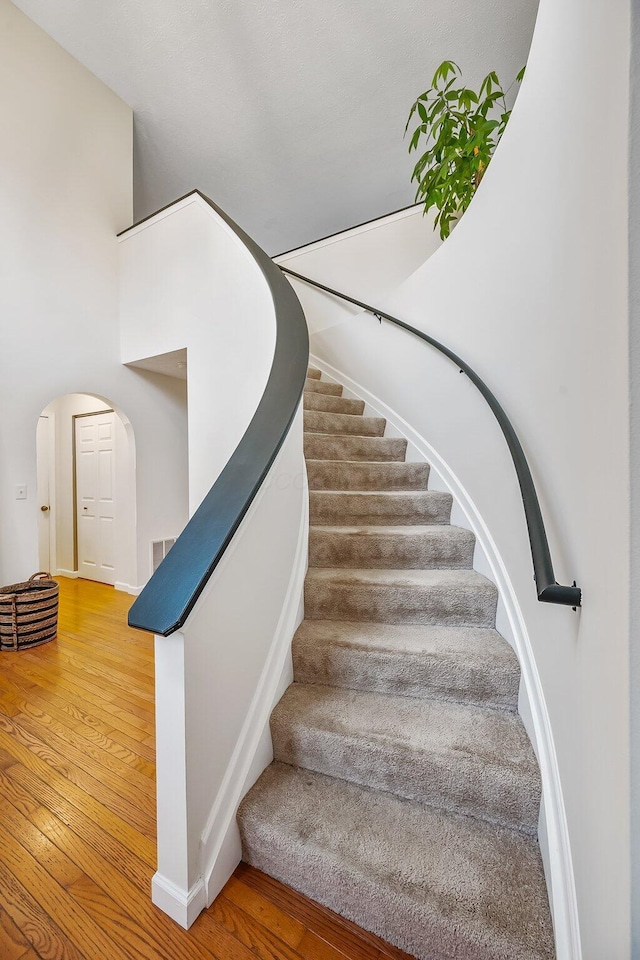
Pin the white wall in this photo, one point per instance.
(531, 290)
(65, 191)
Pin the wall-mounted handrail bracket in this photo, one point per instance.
(547, 588)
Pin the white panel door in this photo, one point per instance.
(95, 496)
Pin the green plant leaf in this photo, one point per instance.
(461, 129)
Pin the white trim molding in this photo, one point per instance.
(127, 588)
(182, 907)
(554, 835)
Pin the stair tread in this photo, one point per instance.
(356, 475)
(395, 494)
(412, 638)
(323, 386)
(455, 596)
(325, 403)
(335, 446)
(376, 507)
(315, 421)
(393, 464)
(436, 884)
(434, 546)
(463, 664)
(313, 373)
(401, 578)
(460, 756)
(390, 530)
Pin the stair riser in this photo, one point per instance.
(468, 605)
(326, 404)
(321, 386)
(351, 509)
(427, 675)
(315, 422)
(456, 781)
(441, 548)
(371, 449)
(329, 475)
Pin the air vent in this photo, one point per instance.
(159, 550)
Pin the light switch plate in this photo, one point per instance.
(21, 491)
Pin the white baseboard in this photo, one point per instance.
(183, 906)
(554, 836)
(220, 845)
(127, 588)
(71, 574)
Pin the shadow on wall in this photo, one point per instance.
(86, 489)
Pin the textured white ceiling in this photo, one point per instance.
(288, 113)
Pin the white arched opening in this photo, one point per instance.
(86, 488)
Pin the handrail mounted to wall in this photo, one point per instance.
(167, 599)
(548, 590)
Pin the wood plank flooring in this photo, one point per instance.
(77, 815)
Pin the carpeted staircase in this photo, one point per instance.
(404, 792)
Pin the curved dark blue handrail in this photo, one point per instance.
(548, 590)
(166, 601)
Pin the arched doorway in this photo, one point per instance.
(86, 484)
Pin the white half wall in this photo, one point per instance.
(531, 290)
(189, 281)
(367, 262)
(217, 682)
(65, 192)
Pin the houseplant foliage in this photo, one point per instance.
(460, 130)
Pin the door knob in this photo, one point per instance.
(44, 509)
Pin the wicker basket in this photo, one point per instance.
(28, 613)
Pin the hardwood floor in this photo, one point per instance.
(77, 815)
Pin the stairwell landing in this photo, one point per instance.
(404, 793)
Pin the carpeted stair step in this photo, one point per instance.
(462, 758)
(453, 597)
(321, 386)
(463, 664)
(319, 401)
(379, 509)
(317, 422)
(438, 885)
(313, 373)
(360, 475)
(428, 547)
(319, 446)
